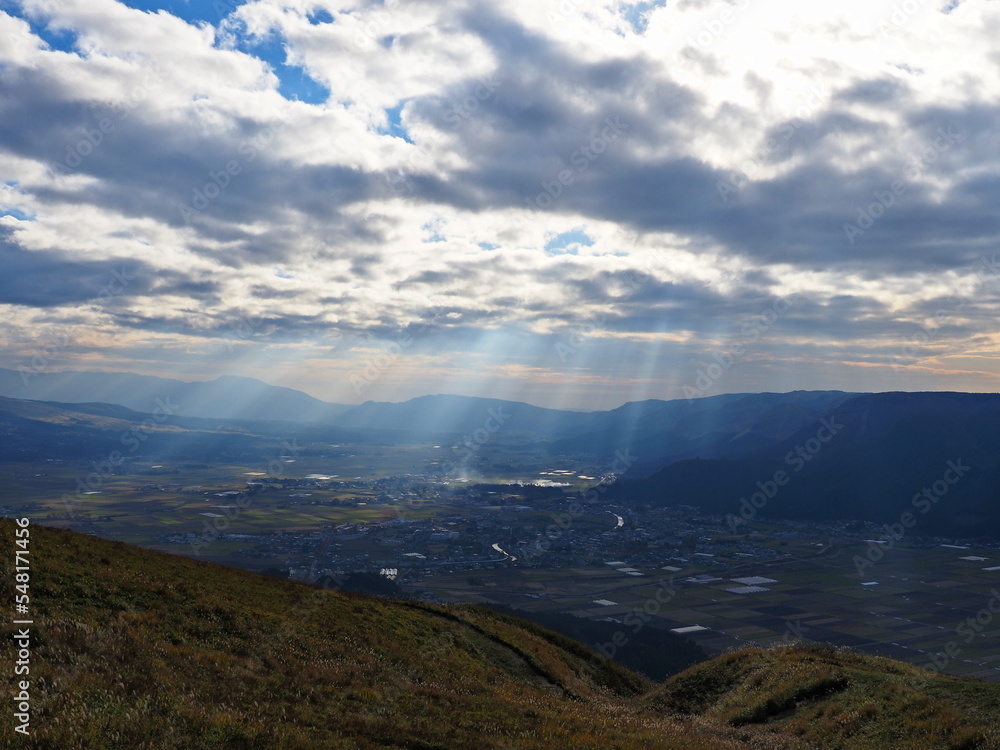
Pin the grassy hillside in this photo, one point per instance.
(654, 652)
(136, 649)
(833, 698)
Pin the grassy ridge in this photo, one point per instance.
(136, 649)
(833, 698)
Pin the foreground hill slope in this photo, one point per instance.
(834, 698)
(136, 649)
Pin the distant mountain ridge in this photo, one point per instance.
(448, 414)
(226, 397)
(714, 452)
(728, 425)
(39, 430)
(868, 457)
(877, 457)
(657, 431)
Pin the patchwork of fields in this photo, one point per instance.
(921, 604)
(928, 604)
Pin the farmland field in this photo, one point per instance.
(921, 601)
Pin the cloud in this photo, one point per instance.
(490, 177)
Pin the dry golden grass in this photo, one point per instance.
(137, 649)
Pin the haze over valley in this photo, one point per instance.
(540, 374)
(829, 513)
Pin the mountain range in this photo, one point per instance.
(226, 397)
(658, 431)
(872, 457)
(811, 455)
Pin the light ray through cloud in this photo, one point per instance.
(335, 173)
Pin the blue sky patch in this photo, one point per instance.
(16, 213)
(59, 39)
(395, 118)
(319, 16)
(294, 83)
(297, 85)
(562, 243)
(637, 14)
(432, 227)
(192, 11)
(8, 210)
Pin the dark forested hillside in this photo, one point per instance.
(873, 457)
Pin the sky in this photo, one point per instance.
(574, 204)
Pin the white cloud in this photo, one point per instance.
(806, 117)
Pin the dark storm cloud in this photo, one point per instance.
(46, 278)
